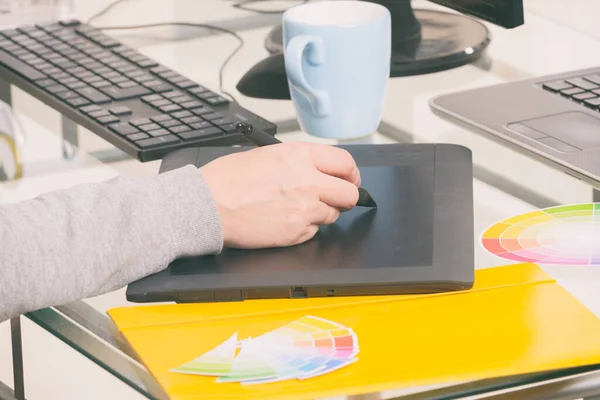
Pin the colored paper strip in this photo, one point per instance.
(493, 246)
(570, 207)
(495, 231)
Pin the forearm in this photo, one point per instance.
(94, 238)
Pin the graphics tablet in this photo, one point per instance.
(419, 239)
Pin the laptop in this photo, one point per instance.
(554, 118)
(419, 239)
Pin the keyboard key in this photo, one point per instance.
(93, 95)
(119, 79)
(137, 136)
(181, 114)
(91, 79)
(127, 84)
(181, 99)
(56, 89)
(163, 87)
(582, 83)
(191, 104)
(170, 108)
(124, 128)
(140, 121)
(89, 109)
(161, 102)
(125, 93)
(201, 133)
(67, 95)
(180, 129)
(192, 119)
(75, 85)
(157, 141)
(160, 69)
(170, 95)
(101, 84)
(159, 132)
(217, 100)
(186, 84)
(148, 127)
(176, 78)
(122, 110)
(143, 78)
(45, 82)
(202, 110)
(151, 98)
(198, 90)
(150, 82)
(109, 119)
(169, 74)
(20, 67)
(169, 123)
(70, 22)
(201, 125)
(211, 116)
(77, 101)
(222, 121)
(592, 103)
(583, 96)
(208, 95)
(557, 86)
(161, 118)
(570, 92)
(98, 114)
(146, 63)
(593, 78)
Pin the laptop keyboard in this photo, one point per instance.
(581, 89)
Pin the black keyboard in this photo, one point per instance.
(581, 89)
(133, 102)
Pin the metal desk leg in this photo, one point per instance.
(70, 138)
(5, 94)
(17, 356)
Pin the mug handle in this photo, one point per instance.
(318, 99)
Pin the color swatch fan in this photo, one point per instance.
(302, 349)
(567, 235)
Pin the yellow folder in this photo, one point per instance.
(516, 319)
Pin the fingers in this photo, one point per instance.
(324, 214)
(336, 162)
(336, 192)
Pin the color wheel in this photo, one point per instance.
(562, 235)
(305, 348)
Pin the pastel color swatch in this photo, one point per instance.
(562, 235)
(305, 348)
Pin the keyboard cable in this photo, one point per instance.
(239, 39)
(243, 5)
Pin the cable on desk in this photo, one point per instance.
(104, 11)
(243, 5)
(193, 25)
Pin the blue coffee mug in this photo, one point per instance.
(337, 61)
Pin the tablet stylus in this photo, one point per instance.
(261, 138)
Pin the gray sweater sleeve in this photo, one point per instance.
(94, 238)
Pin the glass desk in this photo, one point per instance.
(57, 154)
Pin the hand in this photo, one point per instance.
(279, 195)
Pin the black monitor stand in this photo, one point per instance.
(423, 41)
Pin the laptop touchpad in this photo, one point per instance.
(567, 132)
